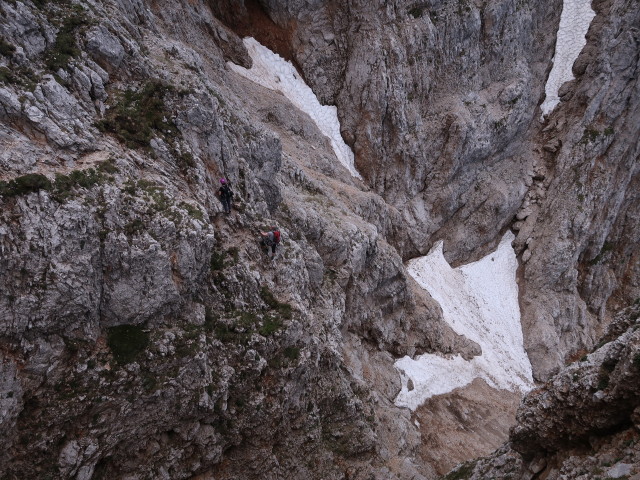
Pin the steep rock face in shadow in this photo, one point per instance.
(582, 261)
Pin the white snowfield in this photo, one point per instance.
(574, 23)
(272, 71)
(479, 301)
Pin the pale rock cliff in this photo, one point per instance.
(143, 334)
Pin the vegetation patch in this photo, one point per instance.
(127, 342)
(21, 76)
(463, 472)
(139, 115)
(283, 309)
(416, 12)
(65, 47)
(609, 365)
(42, 4)
(194, 212)
(270, 326)
(292, 353)
(7, 76)
(227, 334)
(499, 124)
(603, 381)
(63, 186)
(133, 227)
(590, 135)
(217, 261)
(210, 320)
(32, 182)
(66, 184)
(6, 48)
(185, 161)
(607, 247)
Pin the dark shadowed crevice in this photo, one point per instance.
(250, 19)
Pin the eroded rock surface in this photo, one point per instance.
(583, 423)
(143, 334)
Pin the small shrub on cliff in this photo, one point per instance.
(140, 115)
(270, 326)
(194, 212)
(284, 309)
(415, 12)
(603, 381)
(217, 261)
(21, 76)
(6, 49)
(607, 247)
(32, 182)
(292, 353)
(63, 185)
(65, 47)
(462, 472)
(7, 76)
(127, 342)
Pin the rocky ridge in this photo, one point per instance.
(143, 334)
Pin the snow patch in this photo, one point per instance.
(479, 301)
(574, 22)
(272, 71)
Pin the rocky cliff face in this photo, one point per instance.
(143, 334)
(441, 105)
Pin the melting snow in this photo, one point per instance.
(272, 71)
(479, 301)
(574, 22)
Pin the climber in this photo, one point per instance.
(270, 239)
(225, 195)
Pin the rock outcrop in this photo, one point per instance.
(144, 334)
(583, 423)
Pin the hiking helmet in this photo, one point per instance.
(223, 181)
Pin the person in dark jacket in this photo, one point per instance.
(226, 195)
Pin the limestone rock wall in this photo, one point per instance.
(440, 103)
(143, 334)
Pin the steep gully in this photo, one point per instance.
(567, 50)
(271, 71)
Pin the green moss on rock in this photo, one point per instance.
(127, 342)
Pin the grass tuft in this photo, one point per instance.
(127, 342)
(6, 49)
(65, 47)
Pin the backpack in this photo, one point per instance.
(226, 191)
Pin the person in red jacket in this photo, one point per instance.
(270, 239)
